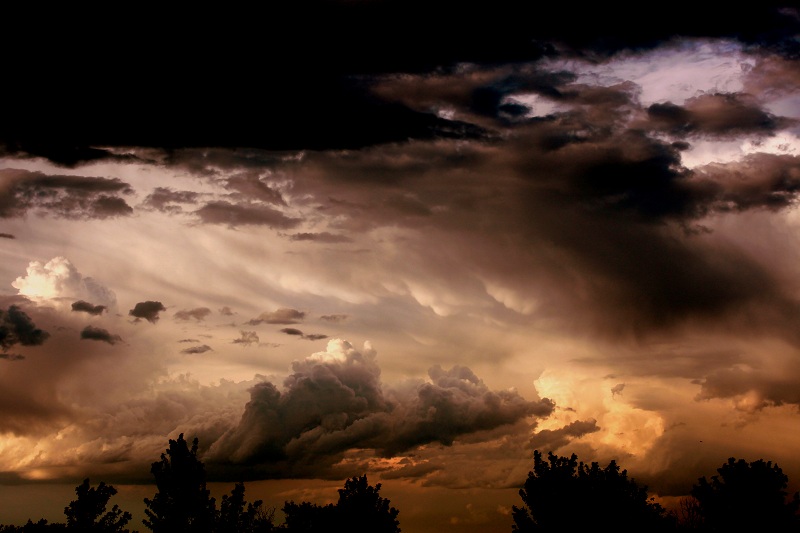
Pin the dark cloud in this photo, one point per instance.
(334, 318)
(87, 307)
(298, 333)
(99, 334)
(165, 199)
(221, 212)
(719, 115)
(247, 338)
(188, 340)
(334, 402)
(552, 439)
(226, 311)
(324, 236)
(12, 356)
(198, 314)
(251, 186)
(197, 349)
(148, 310)
(283, 315)
(307, 109)
(71, 197)
(6, 236)
(16, 327)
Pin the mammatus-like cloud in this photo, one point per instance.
(16, 327)
(197, 349)
(279, 316)
(99, 334)
(87, 307)
(334, 401)
(72, 197)
(198, 314)
(247, 338)
(59, 278)
(147, 310)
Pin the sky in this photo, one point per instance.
(374, 237)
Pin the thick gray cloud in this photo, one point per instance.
(16, 327)
(86, 307)
(71, 197)
(334, 402)
(284, 315)
(148, 310)
(198, 314)
(99, 334)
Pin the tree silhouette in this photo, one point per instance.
(360, 509)
(747, 497)
(88, 513)
(182, 503)
(562, 494)
(236, 515)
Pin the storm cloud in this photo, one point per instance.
(334, 401)
(16, 327)
(71, 197)
(86, 307)
(99, 334)
(148, 310)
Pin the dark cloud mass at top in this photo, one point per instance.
(318, 86)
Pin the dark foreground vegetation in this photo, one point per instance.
(560, 494)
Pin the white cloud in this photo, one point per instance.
(59, 279)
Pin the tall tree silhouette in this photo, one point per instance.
(747, 497)
(360, 509)
(182, 503)
(87, 514)
(236, 515)
(562, 494)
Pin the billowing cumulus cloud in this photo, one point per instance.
(16, 327)
(99, 334)
(58, 278)
(86, 307)
(334, 401)
(197, 349)
(198, 314)
(72, 197)
(284, 315)
(148, 310)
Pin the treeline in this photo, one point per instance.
(560, 494)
